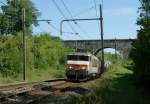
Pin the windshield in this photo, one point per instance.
(78, 58)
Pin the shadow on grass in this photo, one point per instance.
(129, 67)
(119, 90)
(117, 86)
(122, 90)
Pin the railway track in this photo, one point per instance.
(44, 92)
(13, 86)
(21, 92)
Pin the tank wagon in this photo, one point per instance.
(82, 66)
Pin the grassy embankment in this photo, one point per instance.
(46, 58)
(35, 75)
(116, 86)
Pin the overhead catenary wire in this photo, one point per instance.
(95, 8)
(83, 11)
(2, 3)
(67, 9)
(56, 5)
(96, 12)
(54, 27)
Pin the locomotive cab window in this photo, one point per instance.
(84, 58)
(78, 57)
(72, 57)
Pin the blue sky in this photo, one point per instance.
(119, 18)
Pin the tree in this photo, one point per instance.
(11, 16)
(141, 47)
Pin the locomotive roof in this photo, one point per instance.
(81, 53)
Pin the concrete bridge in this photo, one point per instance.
(122, 45)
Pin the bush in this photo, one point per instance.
(141, 47)
(43, 52)
(10, 55)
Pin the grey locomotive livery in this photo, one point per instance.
(82, 66)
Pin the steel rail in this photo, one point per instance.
(23, 88)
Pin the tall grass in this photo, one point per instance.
(116, 86)
(35, 75)
(50, 73)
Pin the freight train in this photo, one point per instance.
(82, 66)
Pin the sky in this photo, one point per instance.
(119, 18)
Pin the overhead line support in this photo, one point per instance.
(24, 42)
(102, 34)
(67, 20)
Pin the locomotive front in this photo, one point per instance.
(77, 66)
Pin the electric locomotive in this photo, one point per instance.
(82, 66)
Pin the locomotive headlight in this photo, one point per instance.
(83, 67)
(70, 67)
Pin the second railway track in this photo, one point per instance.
(44, 92)
(20, 93)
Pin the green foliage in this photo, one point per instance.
(141, 47)
(109, 56)
(48, 51)
(10, 52)
(116, 86)
(44, 52)
(11, 16)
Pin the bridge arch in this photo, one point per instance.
(122, 45)
(100, 49)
